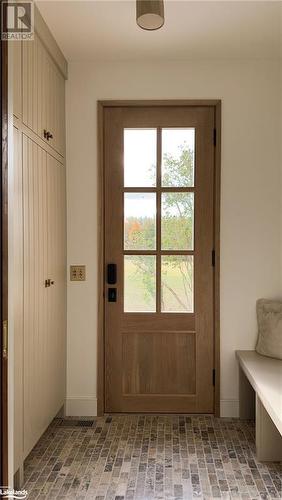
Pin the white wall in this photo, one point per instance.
(250, 198)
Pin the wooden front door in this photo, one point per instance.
(159, 275)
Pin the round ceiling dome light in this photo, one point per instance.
(150, 14)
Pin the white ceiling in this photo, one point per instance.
(106, 30)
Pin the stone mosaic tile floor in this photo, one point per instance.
(137, 457)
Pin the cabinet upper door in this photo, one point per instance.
(17, 78)
(43, 95)
(55, 113)
(34, 83)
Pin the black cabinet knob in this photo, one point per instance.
(47, 135)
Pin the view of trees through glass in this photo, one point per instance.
(177, 231)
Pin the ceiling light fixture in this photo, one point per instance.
(150, 14)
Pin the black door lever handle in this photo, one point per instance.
(112, 294)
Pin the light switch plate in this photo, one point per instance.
(77, 273)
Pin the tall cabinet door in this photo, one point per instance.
(16, 304)
(44, 302)
(57, 275)
(36, 362)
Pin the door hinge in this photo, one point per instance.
(5, 339)
(213, 258)
(214, 136)
(213, 377)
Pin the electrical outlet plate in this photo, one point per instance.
(77, 273)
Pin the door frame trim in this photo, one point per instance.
(101, 105)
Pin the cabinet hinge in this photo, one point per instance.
(213, 377)
(213, 258)
(214, 136)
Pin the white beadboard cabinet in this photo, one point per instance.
(39, 239)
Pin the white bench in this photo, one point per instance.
(260, 394)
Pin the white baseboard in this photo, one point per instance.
(81, 407)
(229, 408)
(87, 407)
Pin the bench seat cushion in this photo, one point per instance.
(269, 316)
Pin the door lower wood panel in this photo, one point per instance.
(146, 357)
(159, 233)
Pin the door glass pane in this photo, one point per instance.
(140, 283)
(177, 277)
(178, 157)
(177, 221)
(140, 157)
(139, 221)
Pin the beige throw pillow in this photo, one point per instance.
(269, 316)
